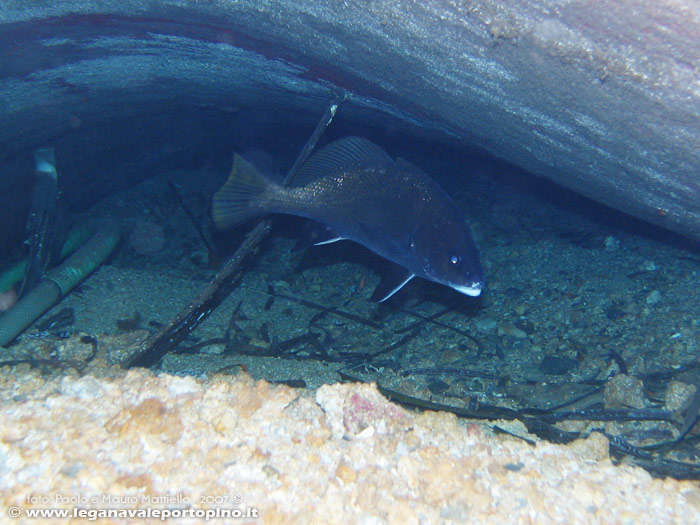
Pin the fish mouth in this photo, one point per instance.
(472, 291)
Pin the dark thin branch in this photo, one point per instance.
(173, 333)
(438, 370)
(432, 319)
(423, 319)
(330, 310)
(608, 414)
(480, 411)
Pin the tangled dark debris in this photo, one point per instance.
(540, 422)
(317, 344)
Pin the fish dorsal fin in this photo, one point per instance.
(343, 152)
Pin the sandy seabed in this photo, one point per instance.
(136, 441)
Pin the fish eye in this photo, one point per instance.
(454, 259)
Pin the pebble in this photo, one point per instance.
(438, 387)
(345, 472)
(677, 393)
(614, 313)
(649, 266)
(654, 297)
(214, 349)
(623, 391)
(556, 366)
(486, 324)
(513, 292)
(525, 325)
(611, 243)
(84, 388)
(259, 343)
(147, 237)
(512, 331)
(450, 356)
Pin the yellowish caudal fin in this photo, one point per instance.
(239, 198)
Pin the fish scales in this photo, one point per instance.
(357, 192)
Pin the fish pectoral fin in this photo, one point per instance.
(392, 248)
(391, 283)
(329, 241)
(314, 234)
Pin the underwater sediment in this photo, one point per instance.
(137, 441)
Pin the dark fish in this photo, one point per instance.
(357, 192)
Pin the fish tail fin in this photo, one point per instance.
(242, 195)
